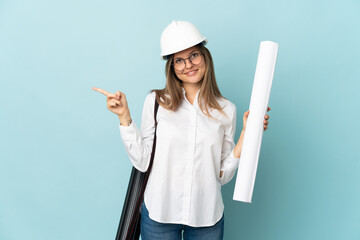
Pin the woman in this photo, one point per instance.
(195, 151)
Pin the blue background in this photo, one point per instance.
(63, 168)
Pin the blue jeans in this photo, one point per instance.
(152, 230)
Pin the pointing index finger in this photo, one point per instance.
(103, 92)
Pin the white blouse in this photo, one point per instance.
(184, 185)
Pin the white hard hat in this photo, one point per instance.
(178, 36)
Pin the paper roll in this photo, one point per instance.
(250, 152)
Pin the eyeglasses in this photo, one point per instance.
(180, 63)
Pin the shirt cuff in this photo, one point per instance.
(128, 133)
(229, 169)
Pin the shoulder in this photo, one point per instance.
(150, 100)
(150, 96)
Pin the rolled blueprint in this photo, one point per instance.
(250, 152)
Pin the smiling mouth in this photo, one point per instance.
(191, 73)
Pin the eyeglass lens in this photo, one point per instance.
(180, 63)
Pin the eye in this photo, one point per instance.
(194, 55)
(178, 61)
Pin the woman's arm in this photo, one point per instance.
(138, 144)
(237, 149)
(230, 163)
(238, 146)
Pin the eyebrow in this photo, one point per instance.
(189, 53)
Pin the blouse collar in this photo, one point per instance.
(195, 100)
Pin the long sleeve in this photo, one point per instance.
(138, 144)
(229, 163)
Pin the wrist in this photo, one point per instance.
(125, 120)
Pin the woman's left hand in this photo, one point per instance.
(266, 122)
(266, 118)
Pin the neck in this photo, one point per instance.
(191, 90)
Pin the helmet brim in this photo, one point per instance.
(167, 55)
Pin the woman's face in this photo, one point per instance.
(191, 74)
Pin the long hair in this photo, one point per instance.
(171, 96)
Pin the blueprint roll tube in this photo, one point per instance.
(250, 152)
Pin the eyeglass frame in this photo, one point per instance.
(201, 54)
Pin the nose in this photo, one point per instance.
(188, 65)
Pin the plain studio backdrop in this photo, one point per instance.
(63, 168)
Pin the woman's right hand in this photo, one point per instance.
(116, 103)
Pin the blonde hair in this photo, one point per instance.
(208, 93)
